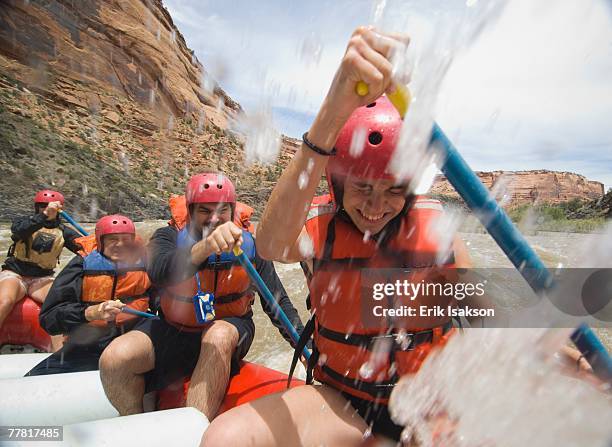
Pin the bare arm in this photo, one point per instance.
(366, 59)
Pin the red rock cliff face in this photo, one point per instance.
(531, 186)
(81, 53)
(103, 100)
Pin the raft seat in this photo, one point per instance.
(252, 382)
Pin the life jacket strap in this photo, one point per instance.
(403, 341)
(305, 336)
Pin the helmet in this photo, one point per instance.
(113, 224)
(48, 196)
(382, 124)
(210, 187)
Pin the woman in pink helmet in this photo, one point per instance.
(38, 241)
(370, 220)
(87, 298)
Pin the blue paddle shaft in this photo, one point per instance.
(129, 310)
(72, 222)
(265, 292)
(512, 242)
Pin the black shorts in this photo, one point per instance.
(377, 417)
(177, 352)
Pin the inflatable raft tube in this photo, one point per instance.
(56, 399)
(181, 427)
(13, 366)
(21, 327)
(61, 399)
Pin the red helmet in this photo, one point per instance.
(113, 224)
(382, 124)
(48, 196)
(210, 188)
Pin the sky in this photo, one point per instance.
(529, 86)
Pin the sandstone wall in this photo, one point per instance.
(531, 186)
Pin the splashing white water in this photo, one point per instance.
(310, 50)
(263, 141)
(511, 393)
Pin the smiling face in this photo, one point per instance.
(207, 216)
(371, 204)
(118, 247)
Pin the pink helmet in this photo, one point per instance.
(48, 196)
(210, 188)
(113, 224)
(382, 124)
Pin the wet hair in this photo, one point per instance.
(392, 227)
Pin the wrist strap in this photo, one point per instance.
(317, 149)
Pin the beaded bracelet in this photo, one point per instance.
(317, 149)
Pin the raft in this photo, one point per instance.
(176, 428)
(21, 327)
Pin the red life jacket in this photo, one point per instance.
(222, 275)
(104, 280)
(343, 344)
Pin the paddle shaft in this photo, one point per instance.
(267, 295)
(129, 310)
(72, 222)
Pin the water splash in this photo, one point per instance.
(443, 231)
(358, 140)
(310, 50)
(94, 209)
(201, 122)
(501, 190)
(512, 393)
(303, 180)
(263, 141)
(124, 160)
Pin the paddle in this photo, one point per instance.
(129, 310)
(72, 222)
(265, 292)
(501, 228)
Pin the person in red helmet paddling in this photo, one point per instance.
(206, 319)
(38, 241)
(87, 297)
(371, 220)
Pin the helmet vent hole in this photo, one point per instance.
(375, 138)
(373, 104)
(115, 222)
(206, 186)
(219, 186)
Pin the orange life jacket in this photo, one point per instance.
(364, 360)
(222, 275)
(104, 280)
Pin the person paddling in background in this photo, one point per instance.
(87, 297)
(189, 262)
(38, 242)
(373, 220)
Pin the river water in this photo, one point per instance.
(270, 349)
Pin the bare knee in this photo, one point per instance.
(222, 335)
(224, 431)
(125, 355)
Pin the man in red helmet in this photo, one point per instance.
(189, 264)
(88, 298)
(38, 241)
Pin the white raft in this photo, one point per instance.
(13, 366)
(181, 427)
(56, 399)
